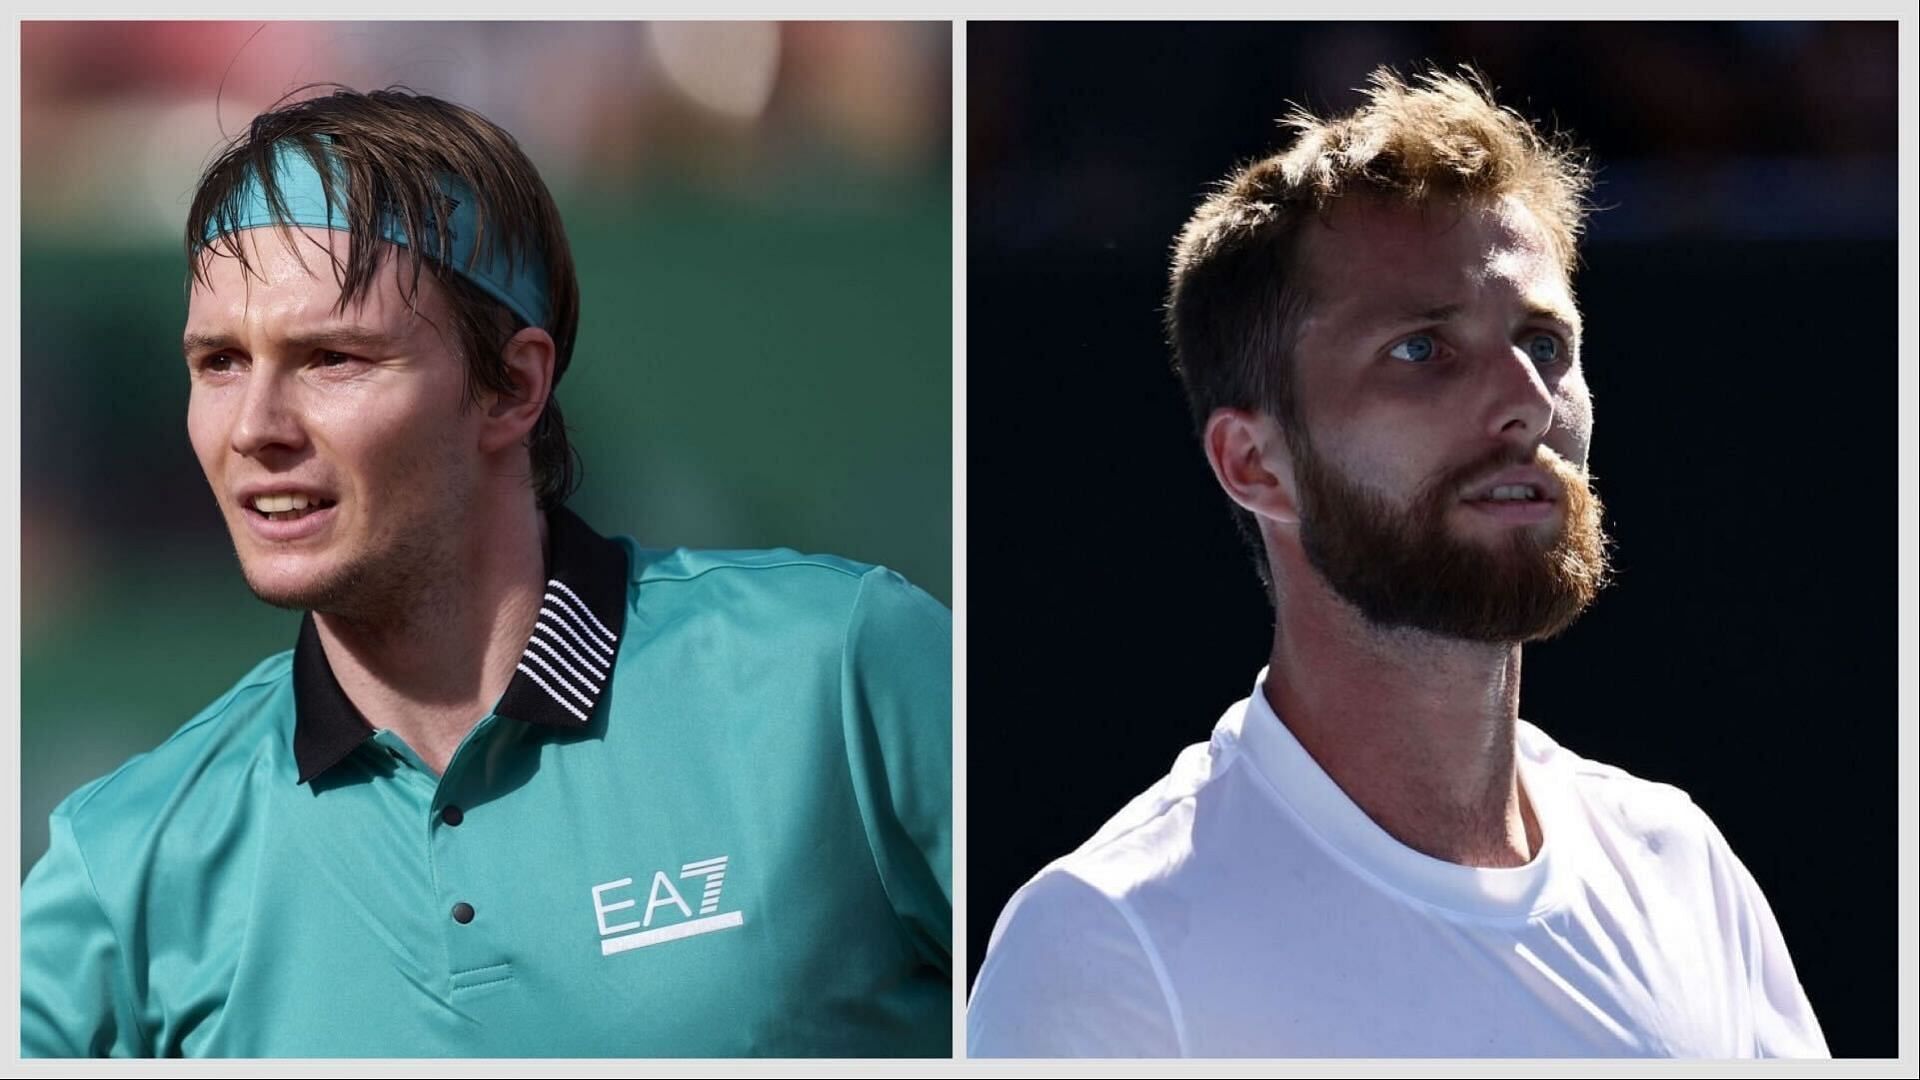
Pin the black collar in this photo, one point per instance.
(560, 678)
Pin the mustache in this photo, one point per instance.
(1445, 487)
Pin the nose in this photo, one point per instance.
(267, 420)
(1520, 405)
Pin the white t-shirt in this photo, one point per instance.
(1245, 906)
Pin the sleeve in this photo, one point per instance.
(74, 992)
(1068, 975)
(1783, 1020)
(897, 713)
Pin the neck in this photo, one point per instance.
(431, 667)
(1417, 730)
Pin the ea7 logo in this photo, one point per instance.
(619, 937)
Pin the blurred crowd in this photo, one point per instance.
(601, 107)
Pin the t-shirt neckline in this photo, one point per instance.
(1340, 824)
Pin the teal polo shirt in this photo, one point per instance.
(711, 815)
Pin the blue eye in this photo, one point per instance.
(1417, 349)
(1544, 348)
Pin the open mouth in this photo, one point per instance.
(1516, 504)
(287, 507)
(1512, 494)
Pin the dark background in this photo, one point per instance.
(1741, 308)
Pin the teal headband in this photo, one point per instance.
(522, 289)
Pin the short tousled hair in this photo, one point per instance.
(392, 146)
(1238, 286)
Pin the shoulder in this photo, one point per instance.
(231, 735)
(1074, 966)
(1653, 829)
(647, 565)
(201, 764)
(1147, 846)
(1069, 973)
(1657, 838)
(1647, 808)
(777, 581)
(1150, 841)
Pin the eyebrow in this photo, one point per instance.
(1567, 317)
(1432, 314)
(1442, 313)
(352, 337)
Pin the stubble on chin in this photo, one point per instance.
(384, 583)
(391, 576)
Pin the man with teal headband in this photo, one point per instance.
(518, 789)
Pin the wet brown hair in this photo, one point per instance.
(392, 146)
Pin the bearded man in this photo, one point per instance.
(1373, 855)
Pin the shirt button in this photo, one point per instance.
(452, 815)
(463, 913)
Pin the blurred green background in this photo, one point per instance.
(761, 218)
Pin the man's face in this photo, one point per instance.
(1441, 449)
(358, 414)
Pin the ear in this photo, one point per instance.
(1251, 461)
(529, 357)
